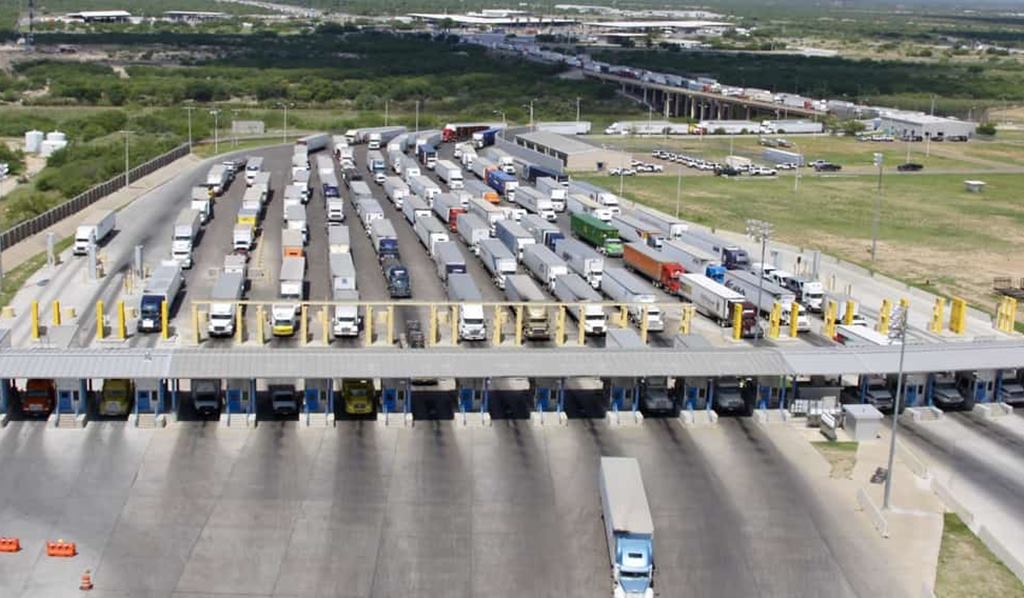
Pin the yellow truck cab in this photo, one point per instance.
(358, 396)
(116, 397)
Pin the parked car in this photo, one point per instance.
(910, 167)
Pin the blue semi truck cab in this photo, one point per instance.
(629, 527)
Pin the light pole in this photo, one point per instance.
(679, 189)
(284, 132)
(878, 207)
(189, 110)
(504, 121)
(234, 131)
(126, 163)
(797, 167)
(760, 231)
(417, 116)
(216, 137)
(531, 114)
(577, 109)
(386, 102)
(897, 333)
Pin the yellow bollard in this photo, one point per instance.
(851, 306)
(794, 317)
(737, 321)
(831, 309)
(1011, 314)
(643, 325)
(325, 325)
(938, 314)
(100, 329)
(958, 315)
(581, 331)
(685, 319)
(775, 321)
(122, 322)
(368, 327)
(35, 320)
(623, 316)
(390, 325)
(260, 323)
(432, 330)
(560, 326)
(884, 316)
(165, 331)
(55, 307)
(519, 325)
(195, 324)
(239, 323)
(303, 324)
(455, 325)
(496, 327)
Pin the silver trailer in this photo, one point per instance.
(338, 239)
(343, 272)
(672, 228)
(637, 294)
(472, 230)
(544, 265)
(449, 260)
(498, 260)
(430, 232)
(396, 190)
(369, 210)
(582, 260)
(520, 288)
(415, 207)
(582, 303)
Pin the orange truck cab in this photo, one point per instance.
(39, 397)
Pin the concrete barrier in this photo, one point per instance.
(624, 418)
(549, 418)
(1012, 562)
(952, 503)
(473, 419)
(395, 419)
(698, 417)
(992, 410)
(873, 512)
(913, 462)
(148, 420)
(771, 416)
(923, 414)
(317, 420)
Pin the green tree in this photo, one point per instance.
(986, 129)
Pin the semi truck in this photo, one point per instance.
(601, 235)
(629, 528)
(253, 166)
(224, 307)
(631, 229)
(376, 165)
(653, 265)
(427, 155)
(626, 288)
(485, 138)
(748, 284)
(502, 159)
(502, 182)
(810, 293)
(519, 288)
(338, 238)
(582, 303)
(335, 210)
(578, 204)
(533, 172)
(343, 271)
(162, 287)
(582, 260)
(292, 244)
(424, 187)
(430, 233)
(291, 289)
(448, 207)
(535, 202)
(462, 290)
(396, 190)
(314, 142)
(184, 236)
(295, 219)
(329, 184)
(345, 321)
(94, 230)
(480, 190)
(694, 260)
(218, 179)
(360, 190)
(555, 191)
(671, 228)
(544, 265)
(482, 166)
(369, 210)
(602, 197)
(200, 202)
(514, 236)
(486, 211)
(498, 260)
(717, 301)
(453, 132)
(449, 260)
(384, 238)
(415, 207)
(732, 256)
(472, 230)
(396, 277)
(544, 232)
(409, 168)
(450, 173)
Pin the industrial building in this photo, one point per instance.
(99, 16)
(193, 16)
(907, 124)
(574, 154)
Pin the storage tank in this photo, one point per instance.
(56, 136)
(33, 141)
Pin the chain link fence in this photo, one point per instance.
(20, 232)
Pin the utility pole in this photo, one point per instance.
(878, 207)
(216, 138)
(577, 109)
(234, 131)
(284, 135)
(760, 231)
(679, 189)
(189, 110)
(897, 332)
(126, 163)
(385, 113)
(417, 130)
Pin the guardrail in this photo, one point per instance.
(23, 230)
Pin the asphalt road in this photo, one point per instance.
(361, 510)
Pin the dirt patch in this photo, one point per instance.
(842, 456)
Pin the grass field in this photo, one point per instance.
(967, 569)
(932, 232)
(842, 456)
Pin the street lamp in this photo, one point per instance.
(284, 133)
(577, 109)
(879, 158)
(234, 131)
(417, 116)
(761, 231)
(679, 189)
(189, 110)
(504, 121)
(216, 138)
(897, 333)
(530, 106)
(386, 102)
(126, 166)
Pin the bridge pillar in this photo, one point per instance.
(748, 112)
(693, 108)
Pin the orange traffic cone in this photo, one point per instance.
(86, 584)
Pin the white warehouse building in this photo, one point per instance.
(574, 154)
(903, 123)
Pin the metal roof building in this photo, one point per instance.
(575, 155)
(903, 123)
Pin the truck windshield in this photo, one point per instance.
(150, 306)
(473, 321)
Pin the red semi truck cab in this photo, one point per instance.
(39, 397)
(649, 262)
